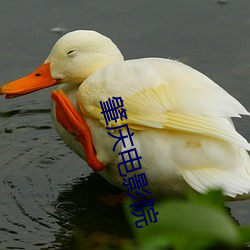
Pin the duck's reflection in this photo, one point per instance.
(85, 217)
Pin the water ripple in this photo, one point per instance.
(26, 112)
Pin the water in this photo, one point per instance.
(46, 190)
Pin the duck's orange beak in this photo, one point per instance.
(41, 78)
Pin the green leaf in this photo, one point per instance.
(212, 197)
(245, 234)
(181, 221)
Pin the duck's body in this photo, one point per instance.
(170, 158)
(181, 119)
(148, 143)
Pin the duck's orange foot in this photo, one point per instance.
(71, 120)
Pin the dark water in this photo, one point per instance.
(46, 191)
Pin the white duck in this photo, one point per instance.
(180, 118)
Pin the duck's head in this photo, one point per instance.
(73, 58)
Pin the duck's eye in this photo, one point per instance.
(70, 52)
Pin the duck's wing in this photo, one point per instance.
(164, 94)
